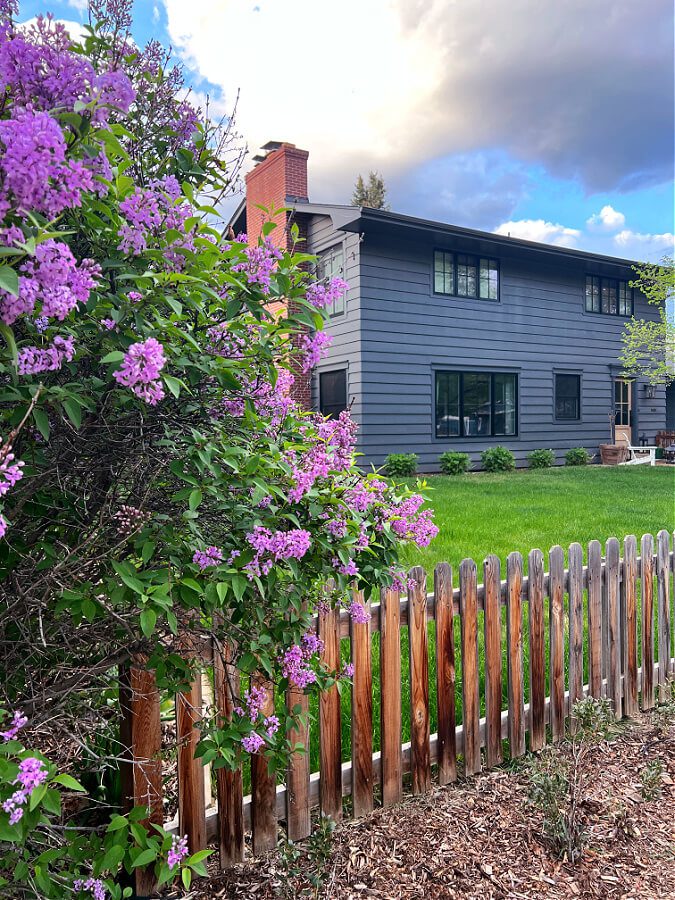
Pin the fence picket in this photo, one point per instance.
(595, 618)
(390, 697)
(630, 694)
(419, 682)
(576, 625)
(493, 660)
(263, 785)
(663, 592)
(514, 632)
(191, 800)
(556, 568)
(330, 726)
(445, 673)
(229, 789)
(298, 819)
(535, 597)
(612, 573)
(468, 604)
(362, 715)
(647, 578)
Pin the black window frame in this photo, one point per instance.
(468, 259)
(624, 296)
(323, 272)
(476, 437)
(335, 408)
(565, 418)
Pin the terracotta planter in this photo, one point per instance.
(613, 454)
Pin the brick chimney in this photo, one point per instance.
(278, 179)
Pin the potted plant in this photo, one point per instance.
(612, 454)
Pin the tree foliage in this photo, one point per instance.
(649, 344)
(371, 193)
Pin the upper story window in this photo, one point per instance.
(331, 264)
(608, 296)
(463, 275)
(476, 404)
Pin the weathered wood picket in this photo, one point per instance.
(595, 614)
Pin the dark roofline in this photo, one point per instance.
(367, 216)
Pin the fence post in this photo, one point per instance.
(362, 715)
(298, 819)
(191, 802)
(514, 632)
(445, 673)
(226, 685)
(613, 631)
(390, 696)
(535, 600)
(630, 694)
(141, 739)
(595, 619)
(556, 591)
(419, 682)
(263, 784)
(330, 730)
(492, 621)
(468, 604)
(647, 578)
(576, 626)
(663, 585)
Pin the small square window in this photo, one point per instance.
(568, 397)
(331, 264)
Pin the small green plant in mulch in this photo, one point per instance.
(400, 465)
(663, 716)
(498, 459)
(305, 865)
(650, 780)
(453, 462)
(559, 778)
(577, 456)
(541, 459)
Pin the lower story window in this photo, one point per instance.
(476, 404)
(568, 397)
(333, 392)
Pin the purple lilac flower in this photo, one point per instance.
(33, 360)
(252, 742)
(32, 773)
(41, 324)
(93, 886)
(259, 264)
(271, 724)
(347, 671)
(255, 698)
(358, 613)
(108, 324)
(178, 851)
(409, 524)
(18, 722)
(323, 295)
(348, 568)
(140, 370)
(315, 348)
(275, 546)
(212, 556)
(134, 296)
(129, 518)
(10, 473)
(3, 526)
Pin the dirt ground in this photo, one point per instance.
(481, 838)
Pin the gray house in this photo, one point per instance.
(450, 338)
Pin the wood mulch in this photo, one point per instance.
(481, 838)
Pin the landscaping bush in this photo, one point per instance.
(454, 463)
(577, 456)
(400, 465)
(498, 459)
(541, 459)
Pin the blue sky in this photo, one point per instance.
(552, 121)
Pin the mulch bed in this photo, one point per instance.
(481, 838)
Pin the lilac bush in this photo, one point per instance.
(158, 483)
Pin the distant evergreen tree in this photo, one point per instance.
(373, 194)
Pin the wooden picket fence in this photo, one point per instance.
(605, 620)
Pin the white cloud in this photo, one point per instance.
(541, 231)
(74, 29)
(155, 14)
(639, 245)
(79, 5)
(390, 84)
(608, 219)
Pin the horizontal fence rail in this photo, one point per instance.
(603, 629)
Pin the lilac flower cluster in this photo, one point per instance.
(151, 212)
(400, 581)
(178, 851)
(53, 278)
(32, 773)
(409, 524)
(348, 568)
(212, 556)
(10, 473)
(332, 451)
(323, 295)
(93, 886)
(140, 370)
(33, 360)
(295, 661)
(259, 263)
(252, 742)
(275, 546)
(18, 722)
(314, 348)
(129, 519)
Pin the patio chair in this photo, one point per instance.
(640, 456)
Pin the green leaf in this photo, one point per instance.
(118, 822)
(8, 335)
(144, 857)
(112, 859)
(148, 621)
(9, 280)
(73, 411)
(113, 356)
(186, 876)
(195, 499)
(37, 795)
(68, 782)
(173, 384)
(41, 422)
(147, 550)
